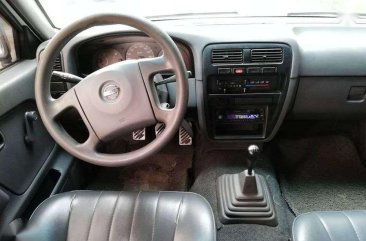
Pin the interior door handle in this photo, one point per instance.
(29, 118)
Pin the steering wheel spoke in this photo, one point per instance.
(67, 101)
(64, 102)
(148, 68)
(163, 114)
(91, 142)
(152, 66)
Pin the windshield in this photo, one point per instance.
(62, 12)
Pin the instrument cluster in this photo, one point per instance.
(101, 52)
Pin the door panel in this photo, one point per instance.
(23, 166)
(17, 85)
(25, 149)
(32, 166)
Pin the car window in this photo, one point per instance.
(8, 54)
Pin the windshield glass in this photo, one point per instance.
(62, 12)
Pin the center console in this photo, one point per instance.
(244, 85)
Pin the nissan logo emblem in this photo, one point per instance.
(110, 92)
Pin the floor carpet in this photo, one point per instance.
(214, 164)
(165, 171)
(321, 173)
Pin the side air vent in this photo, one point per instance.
(58, 86)
(227, 56)
(57, 66)
(274, 55)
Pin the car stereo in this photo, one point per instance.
(244, 115)
(244, 88)
(244, 120)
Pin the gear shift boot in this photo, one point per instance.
(247, 187)
(245, 198)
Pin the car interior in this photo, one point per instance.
(182, 121)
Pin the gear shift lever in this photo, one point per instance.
(253, 151)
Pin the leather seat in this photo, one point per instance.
(330, 226)
(112, 216)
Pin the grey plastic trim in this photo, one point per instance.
(201, 107)
(13, 12)
(35, 17)
(286, 107)
(17, 84)
(337, 51)
(192, 102)
(327, 98)
(17, 204)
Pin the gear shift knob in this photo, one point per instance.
(253, 151)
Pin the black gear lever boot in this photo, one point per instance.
(244, 197)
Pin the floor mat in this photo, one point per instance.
(165, 171)
(214, 164)
(322, 173)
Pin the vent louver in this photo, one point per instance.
(57, 66)
(273, 55)
(58, 86)
(227, 56)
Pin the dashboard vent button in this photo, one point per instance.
(227, 56)
(270, 55)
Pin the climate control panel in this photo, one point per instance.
(242, 84)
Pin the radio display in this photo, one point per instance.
(248, 115)
(242, 116)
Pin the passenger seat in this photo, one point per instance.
(330, 226)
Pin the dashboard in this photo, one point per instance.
(321, 73)
(106, 50)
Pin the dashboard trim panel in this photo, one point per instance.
(318, 50)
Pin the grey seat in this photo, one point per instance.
(330, 226)
(112, 216)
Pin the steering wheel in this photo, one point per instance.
(114, 100)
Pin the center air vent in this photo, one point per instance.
(227, 56)
(274, 55)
